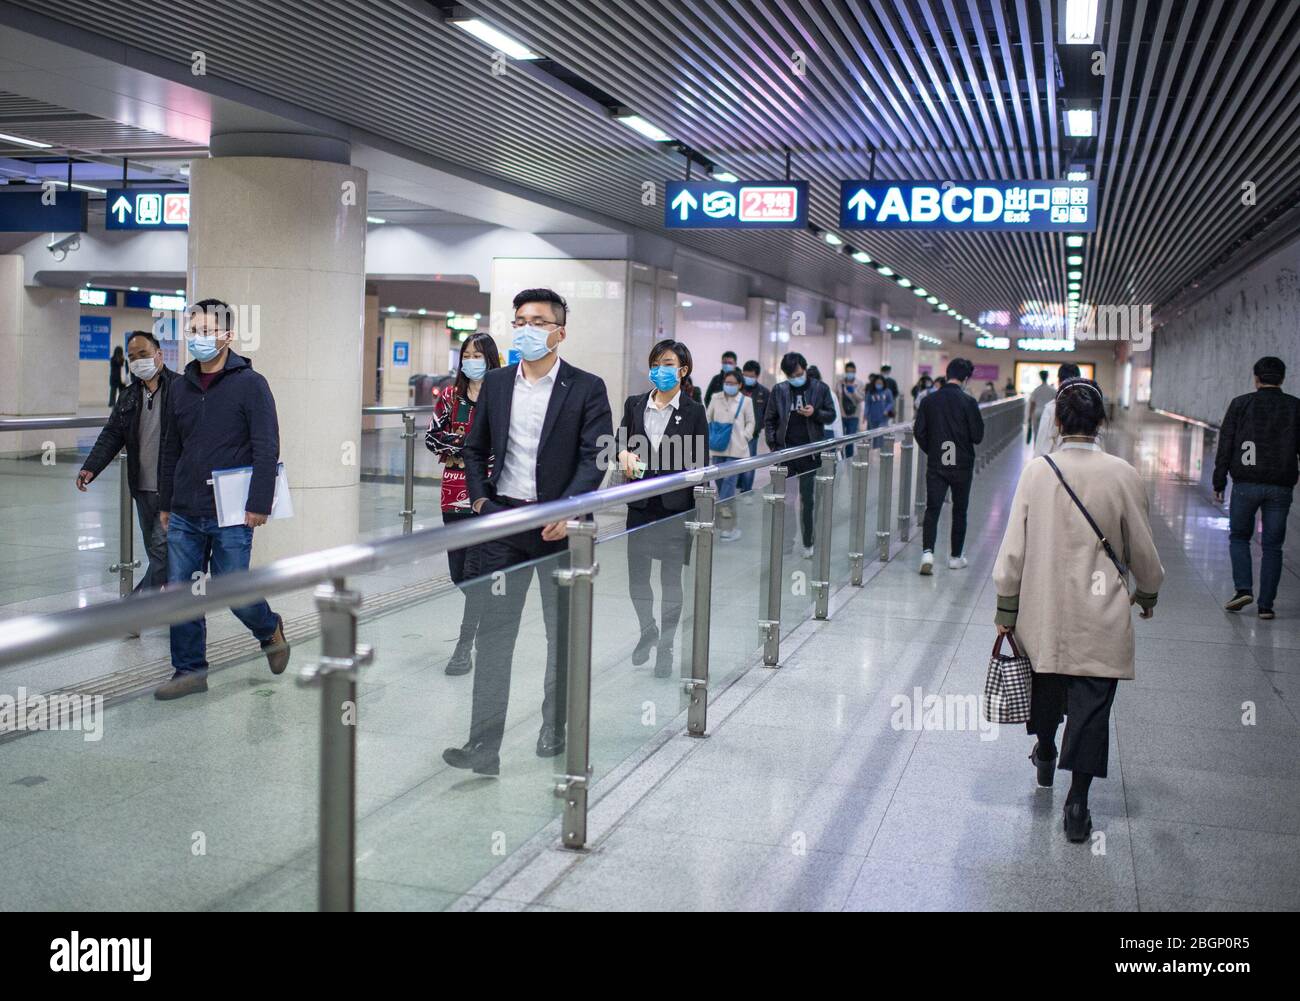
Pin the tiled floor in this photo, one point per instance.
(810, 794)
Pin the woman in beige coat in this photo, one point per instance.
(1065, 600)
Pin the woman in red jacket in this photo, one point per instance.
(453, 413)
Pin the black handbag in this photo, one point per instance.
(1105, 543)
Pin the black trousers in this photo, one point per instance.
(805, 470)
(503, 607)
(463, 565)
(938, 481)
(670, 545)
(1085, 703)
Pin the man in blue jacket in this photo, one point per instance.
(219, 415)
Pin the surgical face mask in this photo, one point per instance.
(664, 378)
(531, 344)
(880, 385)
(728, 367)
(474, 368)
(798, 381)
(731, 389)
(850, 376)
(203, 347)
(144, 369)
(751, 380)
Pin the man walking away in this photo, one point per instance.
(947, 428)
(1258, 446)
(220, 415)
(1047, 437)
(1042, 395)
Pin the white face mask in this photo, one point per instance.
(144, 368)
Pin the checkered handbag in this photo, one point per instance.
(1006, 687)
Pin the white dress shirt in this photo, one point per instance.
(657, 417)
(527, 415)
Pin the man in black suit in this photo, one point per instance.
(545, 423)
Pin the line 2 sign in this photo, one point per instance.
(1009, 206)
(736, 205)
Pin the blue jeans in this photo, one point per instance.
(745, 481)
(188, 541)
(1273, 502)
(726, 485)
(850, 427)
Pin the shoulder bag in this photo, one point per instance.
(1105, 543)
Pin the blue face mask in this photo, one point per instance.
(664, 378)
(728, 367)
(750, 381)
(730, 388)
(798, 381)
(202, 348)
(474, 368)
(850, 376)
(531, 344)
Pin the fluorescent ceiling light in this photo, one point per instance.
(920, 291)
(1074, 275)
(1077, 175)
(833, 239)
(726, 177)
(638, 124)
(1074, 259)
(862, 257)
(423, 312)
(180, 291)
(943, 307)
(392, 309)
(1074, 241)
(687, 304)
(1074, 285)
(932, 300)
(374, 220)
(1080, 122)
(23, 142)
(135, 288)
(1080, 22)
(904, 283)
(489, 35)
(887, 272)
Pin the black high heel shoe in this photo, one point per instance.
(1046, 768)
(1078, 822)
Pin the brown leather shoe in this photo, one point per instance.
(277, 649)
(181, 684)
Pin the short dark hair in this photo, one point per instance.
(1042, 374)
(1080, 408)
(1068, 370)
(730, 354)
(544, 295)
(849, 365)
(792, 361)
(215, 307)
(885, 369)
(133, 334)
(814, 372)
(751, 366)
(1270, 371)
(960, 369)
(682, 352)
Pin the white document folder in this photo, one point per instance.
(230, 489)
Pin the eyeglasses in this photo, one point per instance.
(519, 322)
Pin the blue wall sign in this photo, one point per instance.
(1010, 206)
(146, 208)
(26, 212)
(96, 338)
(401, 352)
(739, 205)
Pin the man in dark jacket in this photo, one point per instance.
(798, 411)
(1259, 444)
(891, 384)
(136, 423)
(758, 394)
(947, 428)
(715, 384)
(219, 416)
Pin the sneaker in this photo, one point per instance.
(807, 552)
(731, 535)
(956, 562)
(1239, 601)
(927, 563)
(1265, 613)
(181, 684)
(277, 648)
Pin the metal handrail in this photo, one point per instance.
(26, 637)
(424, 408)
(72, 423)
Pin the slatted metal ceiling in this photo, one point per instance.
(1199, 96)
(70, 132)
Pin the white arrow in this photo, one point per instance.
(862, 201)
(687, 203)
(120, 208)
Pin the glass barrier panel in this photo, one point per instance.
(739, 568)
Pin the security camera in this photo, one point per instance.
(61, 246)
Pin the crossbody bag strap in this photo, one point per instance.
(1105, 543)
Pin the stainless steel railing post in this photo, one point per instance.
(824, 502)
(578, 578)
(905, 473)
(697, 685)
(126, 562)
(408, 473)
(773, 579)
(336, 673)
(885, 512)
(861, 466)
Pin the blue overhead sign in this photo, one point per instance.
(27, 212)
(146, 208)
(738, 205)
(1009, 206)
(96, 335)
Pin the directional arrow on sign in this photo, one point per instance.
(862, 202)
(687, 203)
(120, 208)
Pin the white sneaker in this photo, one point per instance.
(731, 535)
(927, 563)
(807, 552)
(957, 563)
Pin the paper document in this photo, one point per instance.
(230, 489)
